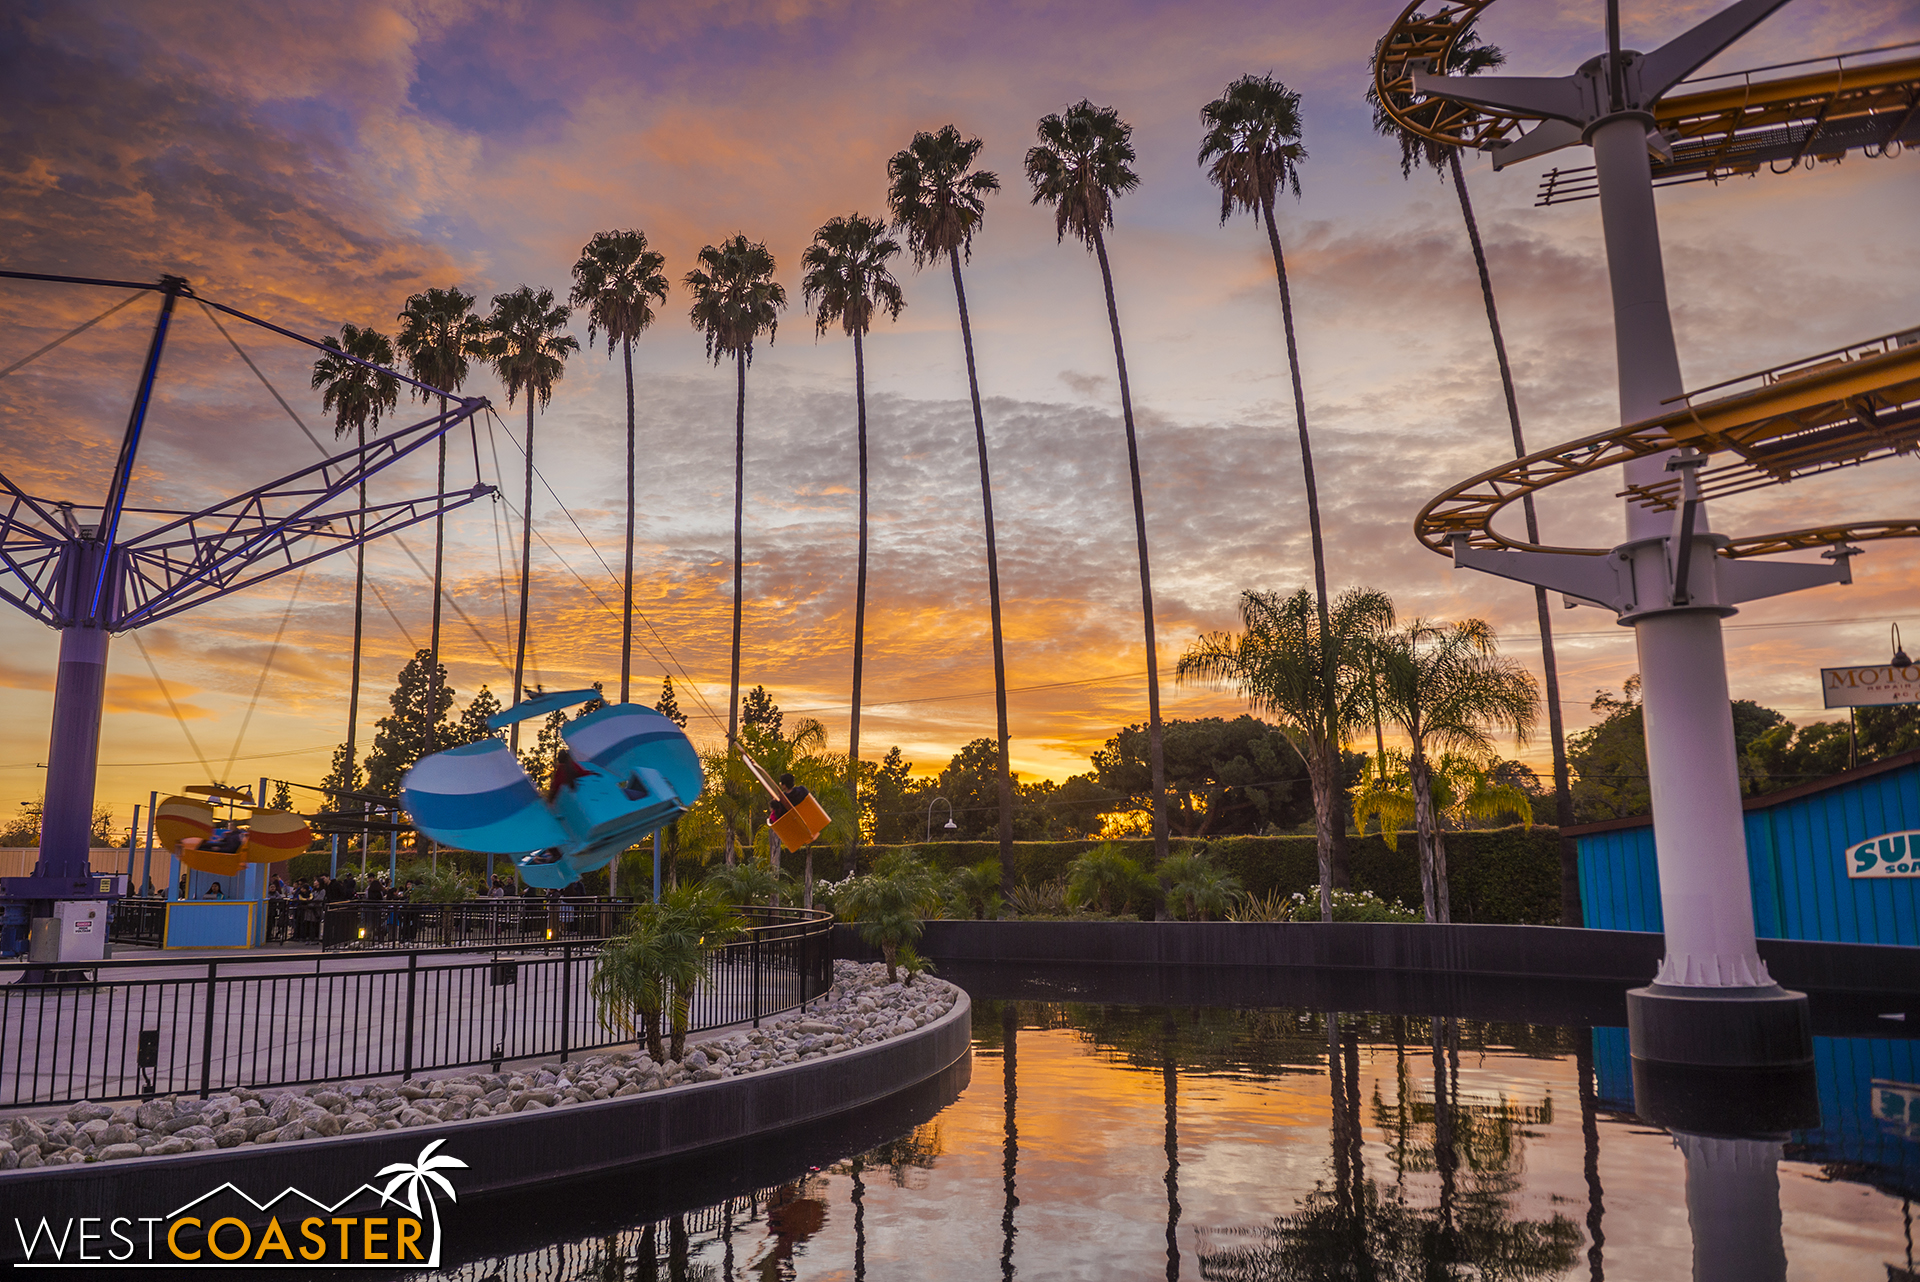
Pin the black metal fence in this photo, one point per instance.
(161, 1026)
(472, 923)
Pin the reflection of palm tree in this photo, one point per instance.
(422, 1176)
(1170, 1089)
(1010, 1145)
(937, 199)
(847, 272)
(1590, 1152)
(1083, 162)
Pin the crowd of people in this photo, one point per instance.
(322, 907)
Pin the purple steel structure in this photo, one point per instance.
(88, 582)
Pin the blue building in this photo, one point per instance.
(1837, 859)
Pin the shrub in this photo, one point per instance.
(1047, 899)
(1196, 889)
(1348, 905)
(888, 905)
(1108, 880)
(975, 891)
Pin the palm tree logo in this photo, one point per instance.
(423, 1175)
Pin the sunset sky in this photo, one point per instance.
(315, 165)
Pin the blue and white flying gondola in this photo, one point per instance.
(634, 771)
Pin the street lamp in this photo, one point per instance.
(950, 825)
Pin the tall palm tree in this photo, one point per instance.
(615, 283)
(439, 336)
(356, 394)
(1083, 161)
(1253, 145)
(847, 276)
(735, 300)
(938, 199)
(1446, 688)
(529, 354)
(1282, 665)
(1469, 57)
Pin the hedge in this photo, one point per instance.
(1494, 875)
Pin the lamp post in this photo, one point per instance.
(949, 826)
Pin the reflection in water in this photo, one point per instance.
(1010, 1146)
(1590, 1155)
(1282, 1144)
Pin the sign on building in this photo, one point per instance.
(1896, 854)
(1870, 686)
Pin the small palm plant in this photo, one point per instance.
(1445, 687)
(889, 904)
(356, 395)
(1107, 880)
(749, 882)
(1197, 889)
(976, 890)
(693, 921)
(629, 985)
(529, 354)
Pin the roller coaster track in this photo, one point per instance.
(1712, 134)
(1839, 409)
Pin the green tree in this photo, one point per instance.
(760, 714)
(886, 812)
(938, 199)
(471, 727)
(420, 701)
(976, 890)
(1468, 56)
(616, 282)
(1445, 687)
(847, 280)
(1252, 145)
(1290, 668)
(356, 388)
(1084, 161)
(735, 301)
(751, 881)
(529, 355)
(888, 904)
(668, 706)
(440, 336)
(1239, 776)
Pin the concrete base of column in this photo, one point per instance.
(1766, 1100)
(1720, 1027)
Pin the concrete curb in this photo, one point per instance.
(516, 1150)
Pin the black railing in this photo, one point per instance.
(264, 1021)
(137, 920)
(360, 925)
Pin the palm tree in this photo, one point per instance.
(1469, 57)
(938, 200)
(529, 354)
(422, 1175)
(439, 336)
(847, 273)
(1291, 669)
(613, 282)
(1445, 688)
(1253, 142)
(356, 394)
(889, 904)
(1084, 160)
(735, 300)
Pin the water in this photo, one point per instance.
(1107, 1141)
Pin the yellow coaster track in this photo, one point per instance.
(1840, 409)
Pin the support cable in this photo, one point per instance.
(168, 696)
(72, 333)
(265, 668)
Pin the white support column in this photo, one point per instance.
(1700, 838)
(1733, 1208)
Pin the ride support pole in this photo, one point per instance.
(1700, 837)
(73, 754)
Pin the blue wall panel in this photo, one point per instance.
(1796, 862)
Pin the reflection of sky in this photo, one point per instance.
(1092, 1162)
(318, 181)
